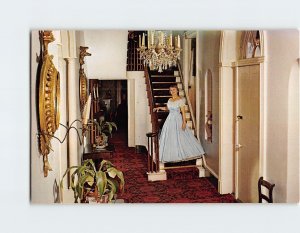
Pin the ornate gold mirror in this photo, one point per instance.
(49, 96)
(83, 88)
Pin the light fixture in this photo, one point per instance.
(159, 53)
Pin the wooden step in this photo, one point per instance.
(156, 85)
(162, 96)
(189, 124)
(187, 115)
(166, 82)
(164, 92)
(161, 99)
(161, 89)
(162, 114)
(160, 104)
(179, 85)
(163, 79)
(163, 76)
(169, 71)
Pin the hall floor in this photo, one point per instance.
(181, 186)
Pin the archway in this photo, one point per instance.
(293, 136)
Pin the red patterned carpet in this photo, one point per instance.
(182, 185)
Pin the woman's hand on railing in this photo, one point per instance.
(160, 108)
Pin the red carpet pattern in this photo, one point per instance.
(182, 185)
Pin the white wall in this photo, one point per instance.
(109, 53)
(228, 54)
(210, 46)
(138, 109)
(42, 187)
(143, 112)
(282, 54)
(293, 136)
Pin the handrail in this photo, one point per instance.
(186, 96)
(154, 117)
(153, 166)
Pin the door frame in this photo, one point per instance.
(230, 43)
(262, 115)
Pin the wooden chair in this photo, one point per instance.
(269, 186)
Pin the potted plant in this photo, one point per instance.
(105, 129)
(102, 184)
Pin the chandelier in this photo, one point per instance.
(159, 53)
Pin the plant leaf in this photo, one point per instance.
(112, 172)
(110, 196)
(101, 182)
(66, 172)
(86, 178)
(107, 163)
(113, 185)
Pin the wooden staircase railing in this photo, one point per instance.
(153, 147)
(187, 97)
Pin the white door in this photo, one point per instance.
(247, 132)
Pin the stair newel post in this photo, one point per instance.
(148, 159)
(151, 153)
(157, 152)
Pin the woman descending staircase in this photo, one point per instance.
(158, 93)
(160, 83)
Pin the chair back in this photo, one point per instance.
(269, 186)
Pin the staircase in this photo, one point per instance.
(157, 85)
(160, 83)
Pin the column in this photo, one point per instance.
(72, 103)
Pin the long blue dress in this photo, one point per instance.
(176, 144)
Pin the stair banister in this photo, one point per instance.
(187, 96)
(153, 136)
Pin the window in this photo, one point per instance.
(250, 46)
(134, 62)
(208, 106)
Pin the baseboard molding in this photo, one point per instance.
(238, 201)
(211, 171)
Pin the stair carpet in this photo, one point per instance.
(160, 86)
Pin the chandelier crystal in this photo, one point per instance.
(159, 53)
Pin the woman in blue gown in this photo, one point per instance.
(177, 142)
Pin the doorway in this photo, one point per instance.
(247, 133)
(112, 105)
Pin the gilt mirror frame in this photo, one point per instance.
(49, 100)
